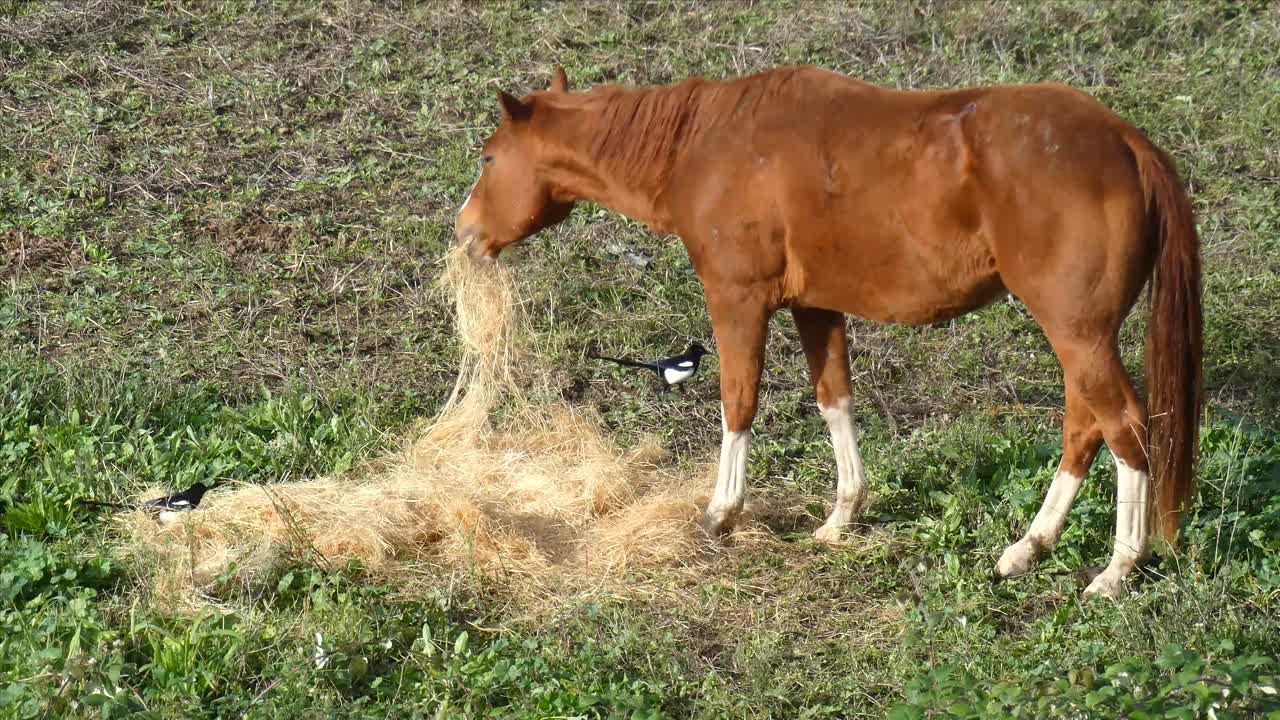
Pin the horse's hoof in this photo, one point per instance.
(1104, 584)
(828, 534)
(714, 527)
(1017, 559)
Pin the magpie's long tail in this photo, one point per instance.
(629, 363)
(100, 503)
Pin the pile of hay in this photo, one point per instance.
(540, 496)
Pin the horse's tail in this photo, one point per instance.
(1175, 384)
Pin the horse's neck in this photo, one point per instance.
(620, 150)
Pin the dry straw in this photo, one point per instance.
(497, 486)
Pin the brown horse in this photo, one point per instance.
(804, 189)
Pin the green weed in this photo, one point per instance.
(220, 225)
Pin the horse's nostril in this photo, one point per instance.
(462, 235)
(477, 251)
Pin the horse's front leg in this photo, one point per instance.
(822, 335)
(739, 326)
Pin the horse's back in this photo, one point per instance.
(912, 206)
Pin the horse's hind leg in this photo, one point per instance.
(1095, 375)
(740, 327)
(1122, 417)
(1081, 438)
(822, 335)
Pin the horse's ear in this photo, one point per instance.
(559, 81)
(512, 108)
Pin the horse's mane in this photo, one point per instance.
(638, 132)
(638, 128)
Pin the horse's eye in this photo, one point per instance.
(487, 159)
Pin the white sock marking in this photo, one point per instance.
(1132, 493)
(731, 485)
(731, 480)
(1047, 526)
(1133, 488)
(851, 487)
(1020, 557)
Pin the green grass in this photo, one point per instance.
(220, 225)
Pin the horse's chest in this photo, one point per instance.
(742, 251)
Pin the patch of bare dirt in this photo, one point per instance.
(20, 252)
(244, 241)
(59, 25)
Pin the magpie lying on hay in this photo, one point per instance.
(164, 508)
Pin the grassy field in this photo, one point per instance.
(220, 225)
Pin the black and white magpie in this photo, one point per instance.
(165, 508)
(673, 370)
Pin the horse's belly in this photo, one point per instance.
(925, 307)
(887, 305)
(894, 285)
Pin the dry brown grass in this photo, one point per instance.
(497, 483)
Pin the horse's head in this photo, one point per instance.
(513, 198)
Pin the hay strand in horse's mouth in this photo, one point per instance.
(538, 497)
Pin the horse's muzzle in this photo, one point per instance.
(470, 239)
(481, 253)
(476, 247)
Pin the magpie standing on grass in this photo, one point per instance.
(165, 508)
(673, 370)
